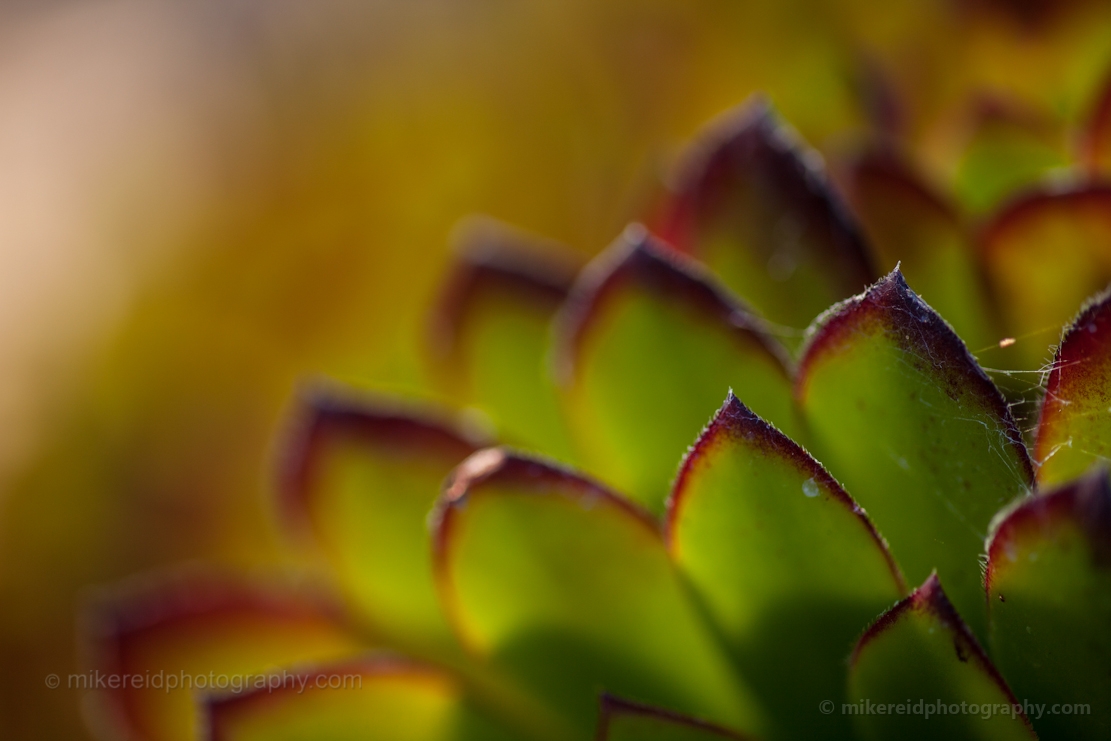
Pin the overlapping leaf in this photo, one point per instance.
(901, 414)
(919, 673)
(648, 344)
(1074, 429)
(378, 698)
(911, 225)
(1049, 593)
(1045, 253)
(361, 478)
(785, 563)
(153, 647)
(567, 588)
(490, 332)
(752, 201)
(1008, 147)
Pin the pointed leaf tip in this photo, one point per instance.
(645, 347)
(924, 633)
(904, 417)
(891, 308)
(786, 566)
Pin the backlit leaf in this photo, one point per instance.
(785, 563)
(903, 416)
(753, 202)
(911, 225)
(1074, 430)
(383, 699)
(1049, 596)
(568, 589)
(918, 673)
(490, 331)
(161, 643)
(648, 345)
(1045, 253)
(361, 479)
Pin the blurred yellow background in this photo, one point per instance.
(202, 203)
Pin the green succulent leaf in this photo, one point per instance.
(1045, 253)
(380, 698)
(1009, 146)
(753, 202)
(622, 720)
(918, 673)
(490, 332)
(911, 225)
(647, 344)
(786, 564)
(567, 588)
(1049, 595)
(1074, 429)
(360, 479)
(902, 415)
(164, 642)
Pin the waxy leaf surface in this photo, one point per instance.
(622, 720)
(568, 589)
(919, 673)
(903, 417)
(1074, 430)
(490, 333)
(910, 225)
(785, 563)
(361, 479)
(753, 202)
(163, 644)
(648, 345)
(384, 699)
(1045, 254)
(1049, 597)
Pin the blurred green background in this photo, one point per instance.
(202, 203)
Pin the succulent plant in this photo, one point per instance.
(858, 544)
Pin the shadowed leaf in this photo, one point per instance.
(901, 414)
(785, 563)
(752, 201)
(918, 673)
(384, 699)
(1049, 596)
(621, 720)
(163, 641)
(648, 343)
(361, 479)
(567, 588)
(1074, 429)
